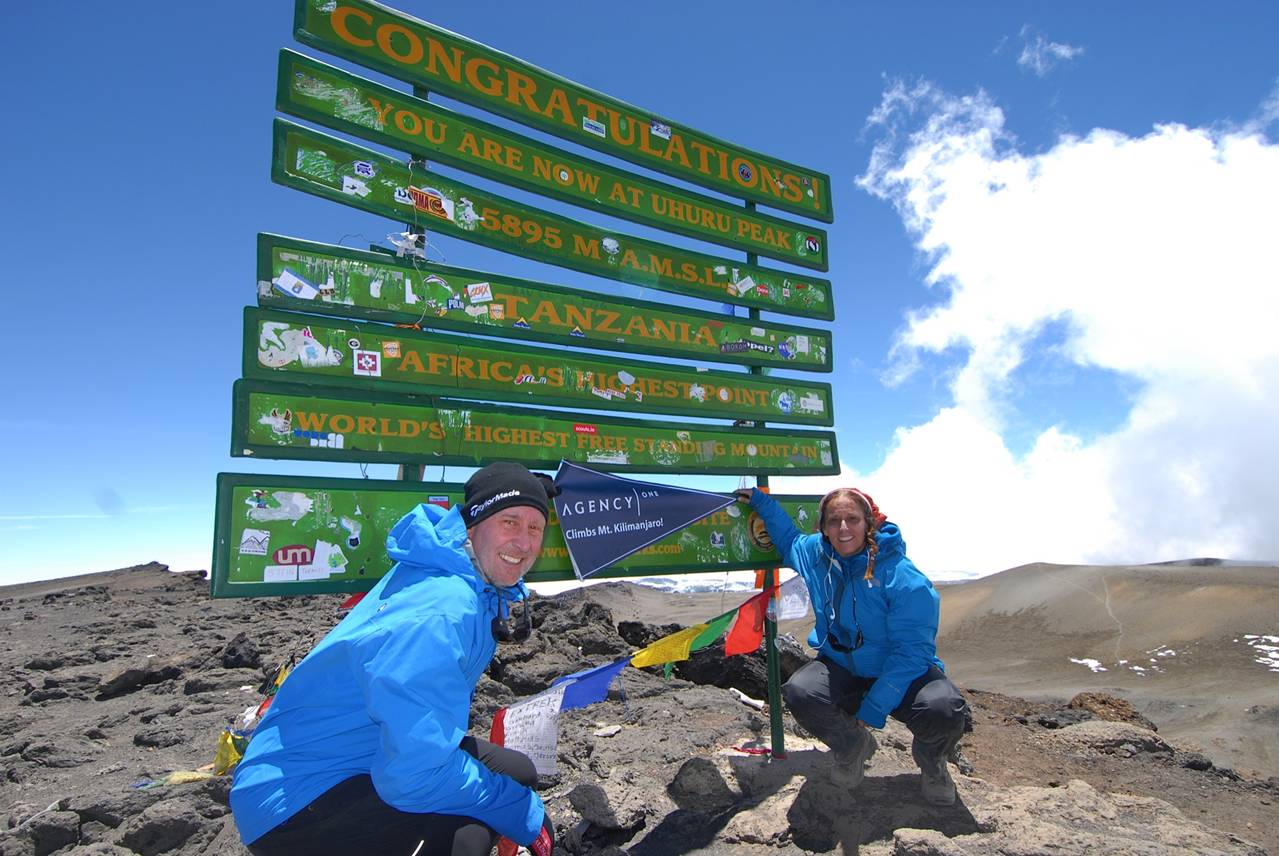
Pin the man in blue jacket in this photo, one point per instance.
(364, 748)
(875, 637)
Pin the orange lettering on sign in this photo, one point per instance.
(339, 24)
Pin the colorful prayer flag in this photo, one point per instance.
(589, 686)
(714, 629)
(792, 599)
(748, 630)
(668, 649)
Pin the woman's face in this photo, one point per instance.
(845, 525)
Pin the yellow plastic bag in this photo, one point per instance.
(231, 748)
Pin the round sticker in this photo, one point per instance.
(353, 344)
(744, 170)
(724, 394)
(758, 532)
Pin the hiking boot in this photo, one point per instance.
(850, 766)
(935, 782)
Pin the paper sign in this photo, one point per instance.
(531, 728)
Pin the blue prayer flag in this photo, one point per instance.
(591, 685)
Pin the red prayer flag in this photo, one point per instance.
(497, 734)
(748, 630)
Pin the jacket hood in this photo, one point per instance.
(428, 534)
(434, 541)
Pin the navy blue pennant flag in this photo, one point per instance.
(606, 518)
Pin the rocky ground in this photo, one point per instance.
(116, 680)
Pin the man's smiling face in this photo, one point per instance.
(507, 543)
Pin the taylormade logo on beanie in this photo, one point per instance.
(502, 485)
(479, 509)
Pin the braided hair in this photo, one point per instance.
(874, 519)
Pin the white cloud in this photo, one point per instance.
(1267, 113)
(1039, 55)
(1155, 255)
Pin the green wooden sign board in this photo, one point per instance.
(344, 172)
(321, 93)
(272, 420)
(289, 347)
(441, 61)
(282, 535)
(331, 280)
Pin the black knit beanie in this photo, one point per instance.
(503, 485)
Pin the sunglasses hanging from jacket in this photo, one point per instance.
(504, 632)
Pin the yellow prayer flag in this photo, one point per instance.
(668, 649)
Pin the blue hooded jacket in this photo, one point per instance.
(388, 693)
(897, 611)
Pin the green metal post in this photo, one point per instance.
(778, 740)
(414, 472)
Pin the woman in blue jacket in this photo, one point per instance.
(875, 637)
(364, 748)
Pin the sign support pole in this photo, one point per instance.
(415, 472)
(778, 735)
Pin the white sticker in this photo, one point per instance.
(812, 403)
(290, 505)
(590, 126)
(657, 129)
(254, 542)
(295, 286)
(365, 169)
(367, 363)
(481, 311)
(479, 292)
(743, 285)
(313, 572)
(626, 378)
(280, 574)
(354, 187)
(801, 344)
(329, 556)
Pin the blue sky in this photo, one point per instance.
(1056, 297)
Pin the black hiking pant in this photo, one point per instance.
(351, 818)
(824, 697)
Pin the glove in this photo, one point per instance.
(545, 840)
(743, 494)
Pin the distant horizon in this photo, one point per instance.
(734, 581)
